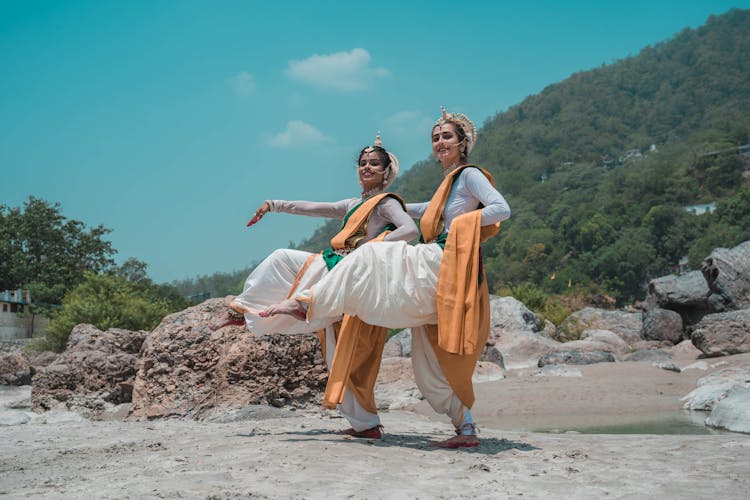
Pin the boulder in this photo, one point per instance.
(518, 333)
(187, 370)
(727, 272)
(733, 412)
(599, 337)
(508, 313)
(492, 354)
(722, 334)
(686, 294)
(486, 371)
(576, 358)
(685, 352)
(656, 357)
(95, 371)
(15, 369)
(399, 345)
(627, 325)
(662, 324)
(395, 387)
(716, 386)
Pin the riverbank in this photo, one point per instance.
(265, 452)
(284, 454)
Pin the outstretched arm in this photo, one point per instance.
(333, 210)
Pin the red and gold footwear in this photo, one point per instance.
(371, 433)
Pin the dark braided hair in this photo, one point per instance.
(380, 151)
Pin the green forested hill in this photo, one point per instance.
(596, 207)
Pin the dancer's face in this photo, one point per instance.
(446, 146)
(371, 170)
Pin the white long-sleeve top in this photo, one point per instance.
(388, 211)
(468, 191)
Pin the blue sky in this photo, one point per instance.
(171, 121)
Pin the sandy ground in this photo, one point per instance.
(281, 454)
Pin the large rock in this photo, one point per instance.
(722, 334)
(627, 325)
(598, 337)
(716, 386)
(662, 324)
(518, 333)
(15, 369)
(657, 357)
(492, 354)
(508, 313)
(398, 345)
(395, 387)
(576, 358)
(727, 272)
(97, 369)
(187, 370)
(733, 412)
(686, 294)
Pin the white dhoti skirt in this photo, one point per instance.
(270, 283)
(390, 284)
(394, 285)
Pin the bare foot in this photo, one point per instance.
(238, 308)
(288, 306)
(229, 318)
(460, 441)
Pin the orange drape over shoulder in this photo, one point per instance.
(359, 345)
(462, 293)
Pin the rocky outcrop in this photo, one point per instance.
(395, 387)
(518, 333)
(15, 369)
(576, 358)
(187, 370)
(662, 324)
(97, 369)
(398, 345)
(614, 342)
(723, 333)
(686, 294)
(627, 325)
(727, 272)
(716, 386)
(733, 412)
(656, 357)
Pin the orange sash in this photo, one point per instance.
(359, 346)
(462, 302)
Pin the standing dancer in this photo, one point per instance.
(437, 288)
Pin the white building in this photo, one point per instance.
(16, 320)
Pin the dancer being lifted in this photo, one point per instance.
(374, 215)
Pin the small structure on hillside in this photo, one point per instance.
(705, 208)
(16, 320)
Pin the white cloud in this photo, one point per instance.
(243, 83)
(297, 132)
(347, 71)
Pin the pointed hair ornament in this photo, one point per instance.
(470, 130)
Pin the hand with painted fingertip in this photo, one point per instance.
(262, 210)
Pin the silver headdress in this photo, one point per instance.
(394, 162)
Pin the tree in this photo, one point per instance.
(43, 251)
(105, 301)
